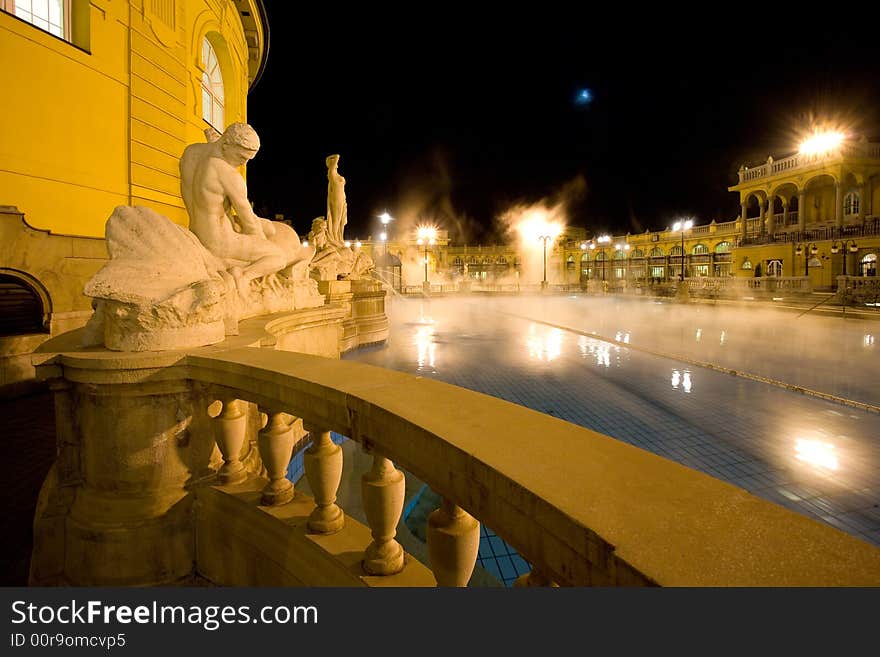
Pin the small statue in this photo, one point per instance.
(337, 207)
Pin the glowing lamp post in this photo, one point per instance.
(847, 245)
(603, 239)
(385, 218)
(426, 235)
(682, 226)
(545, 239)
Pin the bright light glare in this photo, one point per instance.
(305, 242)
(816, 452)
(385, 218)
(821, 142)
(534, 226)
(347, 244)
(426, 233)
(383, 236)
(682, 225)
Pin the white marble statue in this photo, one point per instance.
(335, 262)
(167, 287)
(215, 195)
(337, 207)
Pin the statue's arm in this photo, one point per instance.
(236, 192)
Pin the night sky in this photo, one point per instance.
(456, 119)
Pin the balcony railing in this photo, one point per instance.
(799, 160)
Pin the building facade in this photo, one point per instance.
(100, 102)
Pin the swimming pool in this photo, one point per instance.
(764, 430)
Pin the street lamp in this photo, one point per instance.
(603, 239)
(846, 245)
(682, 226)
(807, 251)
(545, 238)
(426, 235)
(385, 218)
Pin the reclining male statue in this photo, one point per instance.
(212, 187)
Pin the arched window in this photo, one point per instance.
(585, 257)
(656, 252)
(620, 255)
(851, 203)
(722, 247)
(600, 255)
(868, 265)
(472, 260)
(675, 251)
(638, 253)
(457, 262)
(487, 260)
(21, 308)
(501, 260)
(700, 249)
(212, 88)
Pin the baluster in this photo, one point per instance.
(323, 465)
(229, 432)
(382, 489)
(275, 442)
(453, 543)
(534, 578)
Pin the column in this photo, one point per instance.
(862, 200)
(229, 432)
(784, 212)
(802, 210)
(743, 219)
(275, 442)
(382, 489)
(323, 466)
(838, 205)
(771, 220)
(453, 542)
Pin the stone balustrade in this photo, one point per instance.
(582, 508)
(801, 161)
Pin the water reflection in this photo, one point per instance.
(425, 346)
(723, 337)
(869, 340)
(681, 379)
(699, 334)
(544, 346)
(622, 336)
(816, 452)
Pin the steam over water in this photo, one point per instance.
(818, 457)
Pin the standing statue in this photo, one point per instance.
(212, 189)
(337, 208)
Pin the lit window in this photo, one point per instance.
(699, 249)
(212, 88)
(851, 203)
(53, 16)
(722, 247)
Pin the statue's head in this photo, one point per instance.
(239, 143)
(318, 224)
(332, 161)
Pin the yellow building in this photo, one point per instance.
(101, 97)
(812, 215)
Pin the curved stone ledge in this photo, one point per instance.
(585, 508)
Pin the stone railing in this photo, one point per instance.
(859, 289)
(798, 160)
(733, 286)
(139, 496)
